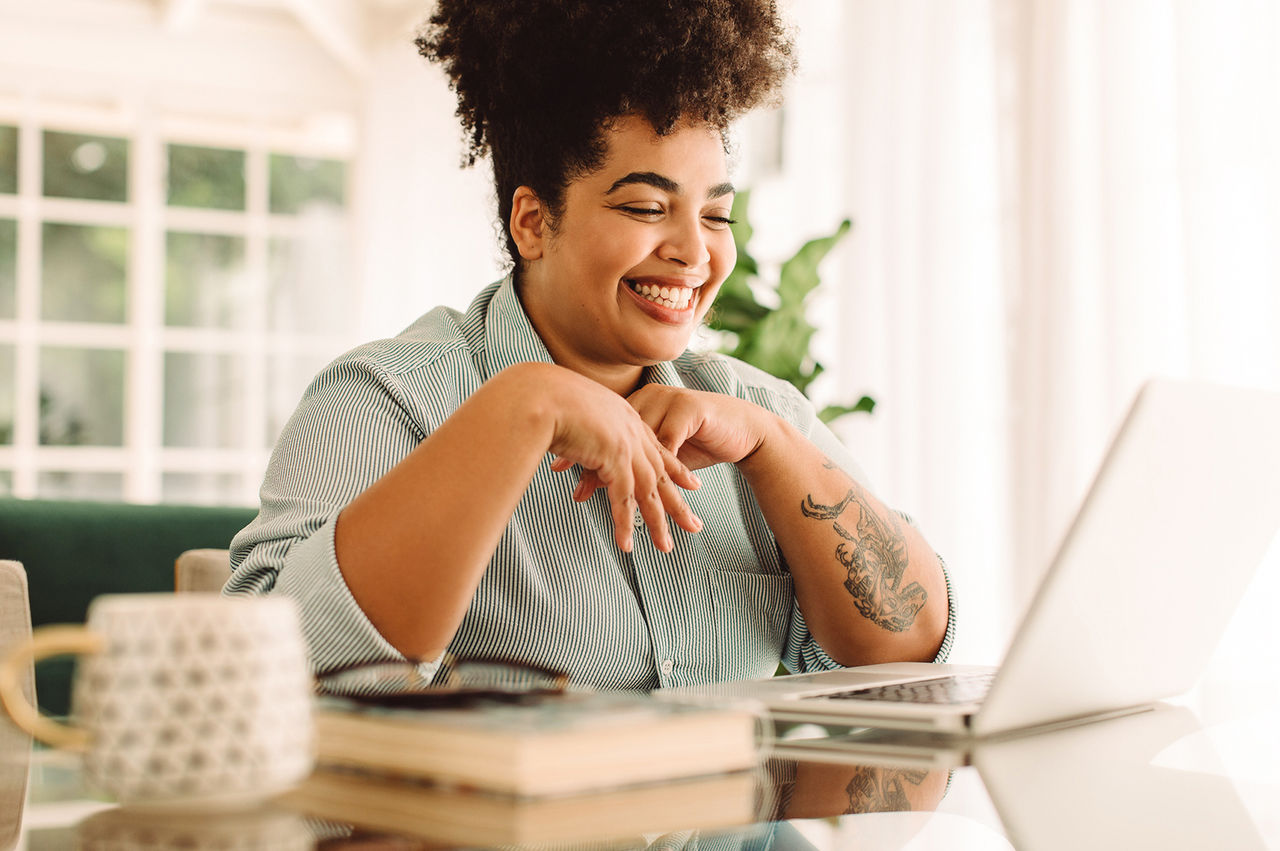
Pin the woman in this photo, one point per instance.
(474, 484)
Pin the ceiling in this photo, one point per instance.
(347, 29)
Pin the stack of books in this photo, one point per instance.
(552, 768)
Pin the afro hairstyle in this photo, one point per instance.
(539, 81)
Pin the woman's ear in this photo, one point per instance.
(528, 224)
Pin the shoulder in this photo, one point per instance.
(717, 373)
(438, 350)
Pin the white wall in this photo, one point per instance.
(426, 225)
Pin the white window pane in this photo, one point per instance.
(204, 400)
(287, 378)
(8, 268)
(7, 381)
(83, 273)
(206, 177)
(82, 166)
(205, 282)
(70, 484)
(310, 287)
(202, 488)
(300, 183)
(8, 160)
(81, 397)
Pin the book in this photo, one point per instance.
(417, 809)
(552, 744)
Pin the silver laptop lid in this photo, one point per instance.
(1146, 579)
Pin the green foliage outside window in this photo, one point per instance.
(9, 160)
(8, 268)
(83, 270)
(211, 178)
(81, 166)
(297, 182)
(776, 339)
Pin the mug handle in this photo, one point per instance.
(46, 641)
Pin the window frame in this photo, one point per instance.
(143, 460)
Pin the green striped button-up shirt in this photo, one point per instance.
(557, 592)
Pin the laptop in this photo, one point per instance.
(1183, 509)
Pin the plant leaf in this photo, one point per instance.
(832, 412)
(799, 275)
(741, 227)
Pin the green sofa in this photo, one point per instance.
(74, 551)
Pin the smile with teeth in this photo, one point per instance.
(675, 298)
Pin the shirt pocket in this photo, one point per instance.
(752, 614)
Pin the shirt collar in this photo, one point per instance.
(661, 373)
(509, 335)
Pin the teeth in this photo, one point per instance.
(675, 298)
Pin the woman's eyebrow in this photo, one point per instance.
(650, 178)
(720, 190)
(665, 184)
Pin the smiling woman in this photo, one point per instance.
(473, 485)
(645, 236)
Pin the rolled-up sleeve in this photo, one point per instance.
(352, 426)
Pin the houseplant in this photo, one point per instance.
(776, 339)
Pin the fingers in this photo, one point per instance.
(588, 483)
(622, 506)
(617, 449)
(644, 486)
(677, 476)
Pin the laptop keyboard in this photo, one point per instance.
(960, 688)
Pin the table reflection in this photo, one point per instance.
(1151, 780)
(1148, 780)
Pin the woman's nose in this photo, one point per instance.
(685, 243)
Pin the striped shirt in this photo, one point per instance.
(558, 592)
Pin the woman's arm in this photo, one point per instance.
(870, 587)
(413, 546)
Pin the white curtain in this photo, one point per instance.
(1053, 200)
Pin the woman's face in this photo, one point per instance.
(638, 254)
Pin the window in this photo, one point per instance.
(165, 296)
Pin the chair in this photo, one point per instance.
(15, 746)
(74, 552)
(202, 570)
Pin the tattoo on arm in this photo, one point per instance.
(877, 790)
(875, 556)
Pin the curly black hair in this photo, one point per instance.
(539, 81)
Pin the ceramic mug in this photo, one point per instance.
(179, 697)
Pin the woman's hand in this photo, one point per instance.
(618, 450)
(701, 428)
(697, 429)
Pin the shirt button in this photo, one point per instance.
(667, 666)
(639, 518)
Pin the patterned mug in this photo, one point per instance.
(179, 698)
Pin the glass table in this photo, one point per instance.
(1184, 775)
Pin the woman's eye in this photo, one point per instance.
(641, 211)
(720, 221)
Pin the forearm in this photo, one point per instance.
(869, 585)
(413, 546)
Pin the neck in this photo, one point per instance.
(621, 378)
